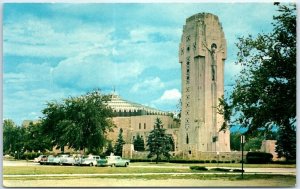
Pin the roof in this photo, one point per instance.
(120, 105)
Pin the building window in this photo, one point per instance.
(187, 139)
(133, 137)
(140, 126)
(144, 125)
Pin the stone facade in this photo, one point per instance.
(202, 54)
(133, 126)
(269, 146)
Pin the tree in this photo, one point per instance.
(12, 137)
(264, 96)
(139, 144)
(78, 122)
(119, 144)
(109, 149)
(235, 141)
(285, 145)
(159, 142)
(34, 140)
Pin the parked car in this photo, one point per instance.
(54, 160)
(90, 160)
(40, 158)
(67, 160)
(113, 161)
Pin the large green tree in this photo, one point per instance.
(159, 142)
(34, 140)
(12, 137)
(109, 149)
(119, 144)
(264, 96)
(139, 144)
(78, 122)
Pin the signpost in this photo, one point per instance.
(218, 153)
(242, 143)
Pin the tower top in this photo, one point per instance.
(201, 17)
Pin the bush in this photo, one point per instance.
(186, 161)
(258, 157)
(207, 161)
(233, 161)
(238, 170)
(29, 155)
(198, 168)
(141, 160)
(213, 161)
(220, 169)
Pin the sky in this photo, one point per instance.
(53, 51)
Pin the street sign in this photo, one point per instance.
(243, 139)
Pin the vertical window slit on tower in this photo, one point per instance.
(187, 139)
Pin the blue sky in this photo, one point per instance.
(52, 51)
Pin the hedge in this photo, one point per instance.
(198, 168)
(220, 169)
(258, 157)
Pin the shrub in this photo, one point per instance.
(258, 157)
(198, 168)
(238, 170)
(29, 155)
(186, 161)
(233, 161)
(207, 161)
(213, 161)
(220, 169)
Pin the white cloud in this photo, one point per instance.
(94, 69)
(169, 97)
(148, 85)
(39, 38)
(172, 94)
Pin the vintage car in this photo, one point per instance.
(113, 161)
(68, 160)
(90, 160)
(54, 160)
(40, 158)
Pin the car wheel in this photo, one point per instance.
(126, 164)
(91, 164)
(113, 165)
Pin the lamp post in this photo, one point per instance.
(242, 143)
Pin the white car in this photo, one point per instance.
(67, 160)
(40, 158)
(90, 160)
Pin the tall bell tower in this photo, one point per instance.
(202, 54)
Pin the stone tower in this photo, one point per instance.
(202, 54)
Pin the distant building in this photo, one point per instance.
(136, 119)
(269, 146)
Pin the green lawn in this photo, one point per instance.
(28, 170)
(233, 165)
(263, 180)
